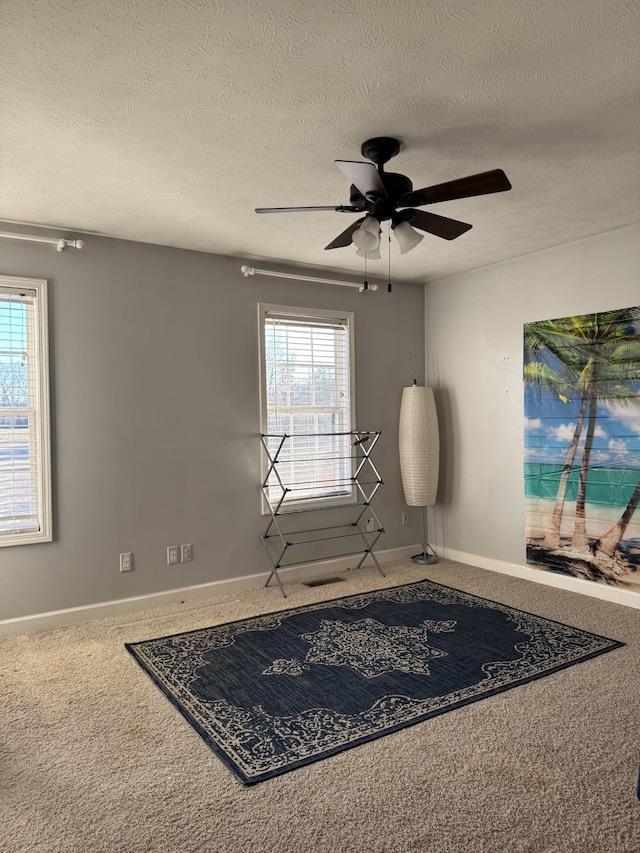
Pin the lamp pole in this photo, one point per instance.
(425, 559)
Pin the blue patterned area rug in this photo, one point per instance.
(275, 692)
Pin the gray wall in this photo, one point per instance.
(154, 376)
(474, 327)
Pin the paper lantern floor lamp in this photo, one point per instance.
(419, 442)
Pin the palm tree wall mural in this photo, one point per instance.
(582, 446)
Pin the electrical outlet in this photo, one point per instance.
(185, 553)
(126, 562)
(371, 525)
(173, 555)
(406, 519)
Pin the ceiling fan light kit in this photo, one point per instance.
(367, 237)
(387, 196)
(407, 237)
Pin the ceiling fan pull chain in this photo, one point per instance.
(389, 254)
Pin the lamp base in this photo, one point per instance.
(425, 559)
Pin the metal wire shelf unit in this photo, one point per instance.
(280, 496)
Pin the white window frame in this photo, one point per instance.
(299, 313)
(38, 352)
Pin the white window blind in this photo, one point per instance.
(307, 394)
(24, 414)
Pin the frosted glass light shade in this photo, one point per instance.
(374, 255)
(367, 237)
(407, 237)
(419, 441)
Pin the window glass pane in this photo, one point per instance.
(324, 386)
(308, 396)
(22, 497)
(300, 388)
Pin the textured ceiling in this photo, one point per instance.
(168, 122)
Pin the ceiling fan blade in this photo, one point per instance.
(441, 226)
(364, 176)
(494, 181)
(344, 239)
(339, 207)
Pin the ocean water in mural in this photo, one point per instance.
(582, 446)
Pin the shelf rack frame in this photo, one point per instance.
(277, 541)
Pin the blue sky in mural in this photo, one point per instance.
(550, 425)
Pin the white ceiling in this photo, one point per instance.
(168, 122)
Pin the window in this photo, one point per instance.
(25, 469)
(307, 392)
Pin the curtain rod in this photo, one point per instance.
(59, 242)
(247, 271)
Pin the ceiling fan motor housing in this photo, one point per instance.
(377, 205)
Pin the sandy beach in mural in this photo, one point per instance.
(601, 519)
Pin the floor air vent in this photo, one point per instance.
(322, 581)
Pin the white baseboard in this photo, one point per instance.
(586, 587)
(74, 615)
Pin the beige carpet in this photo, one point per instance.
(94, 758)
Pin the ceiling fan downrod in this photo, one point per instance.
(380, 150)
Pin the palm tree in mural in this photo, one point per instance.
(608, 543)
(610, 349)
(563, 380)
(595, 359)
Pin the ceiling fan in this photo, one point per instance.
(383, 196)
